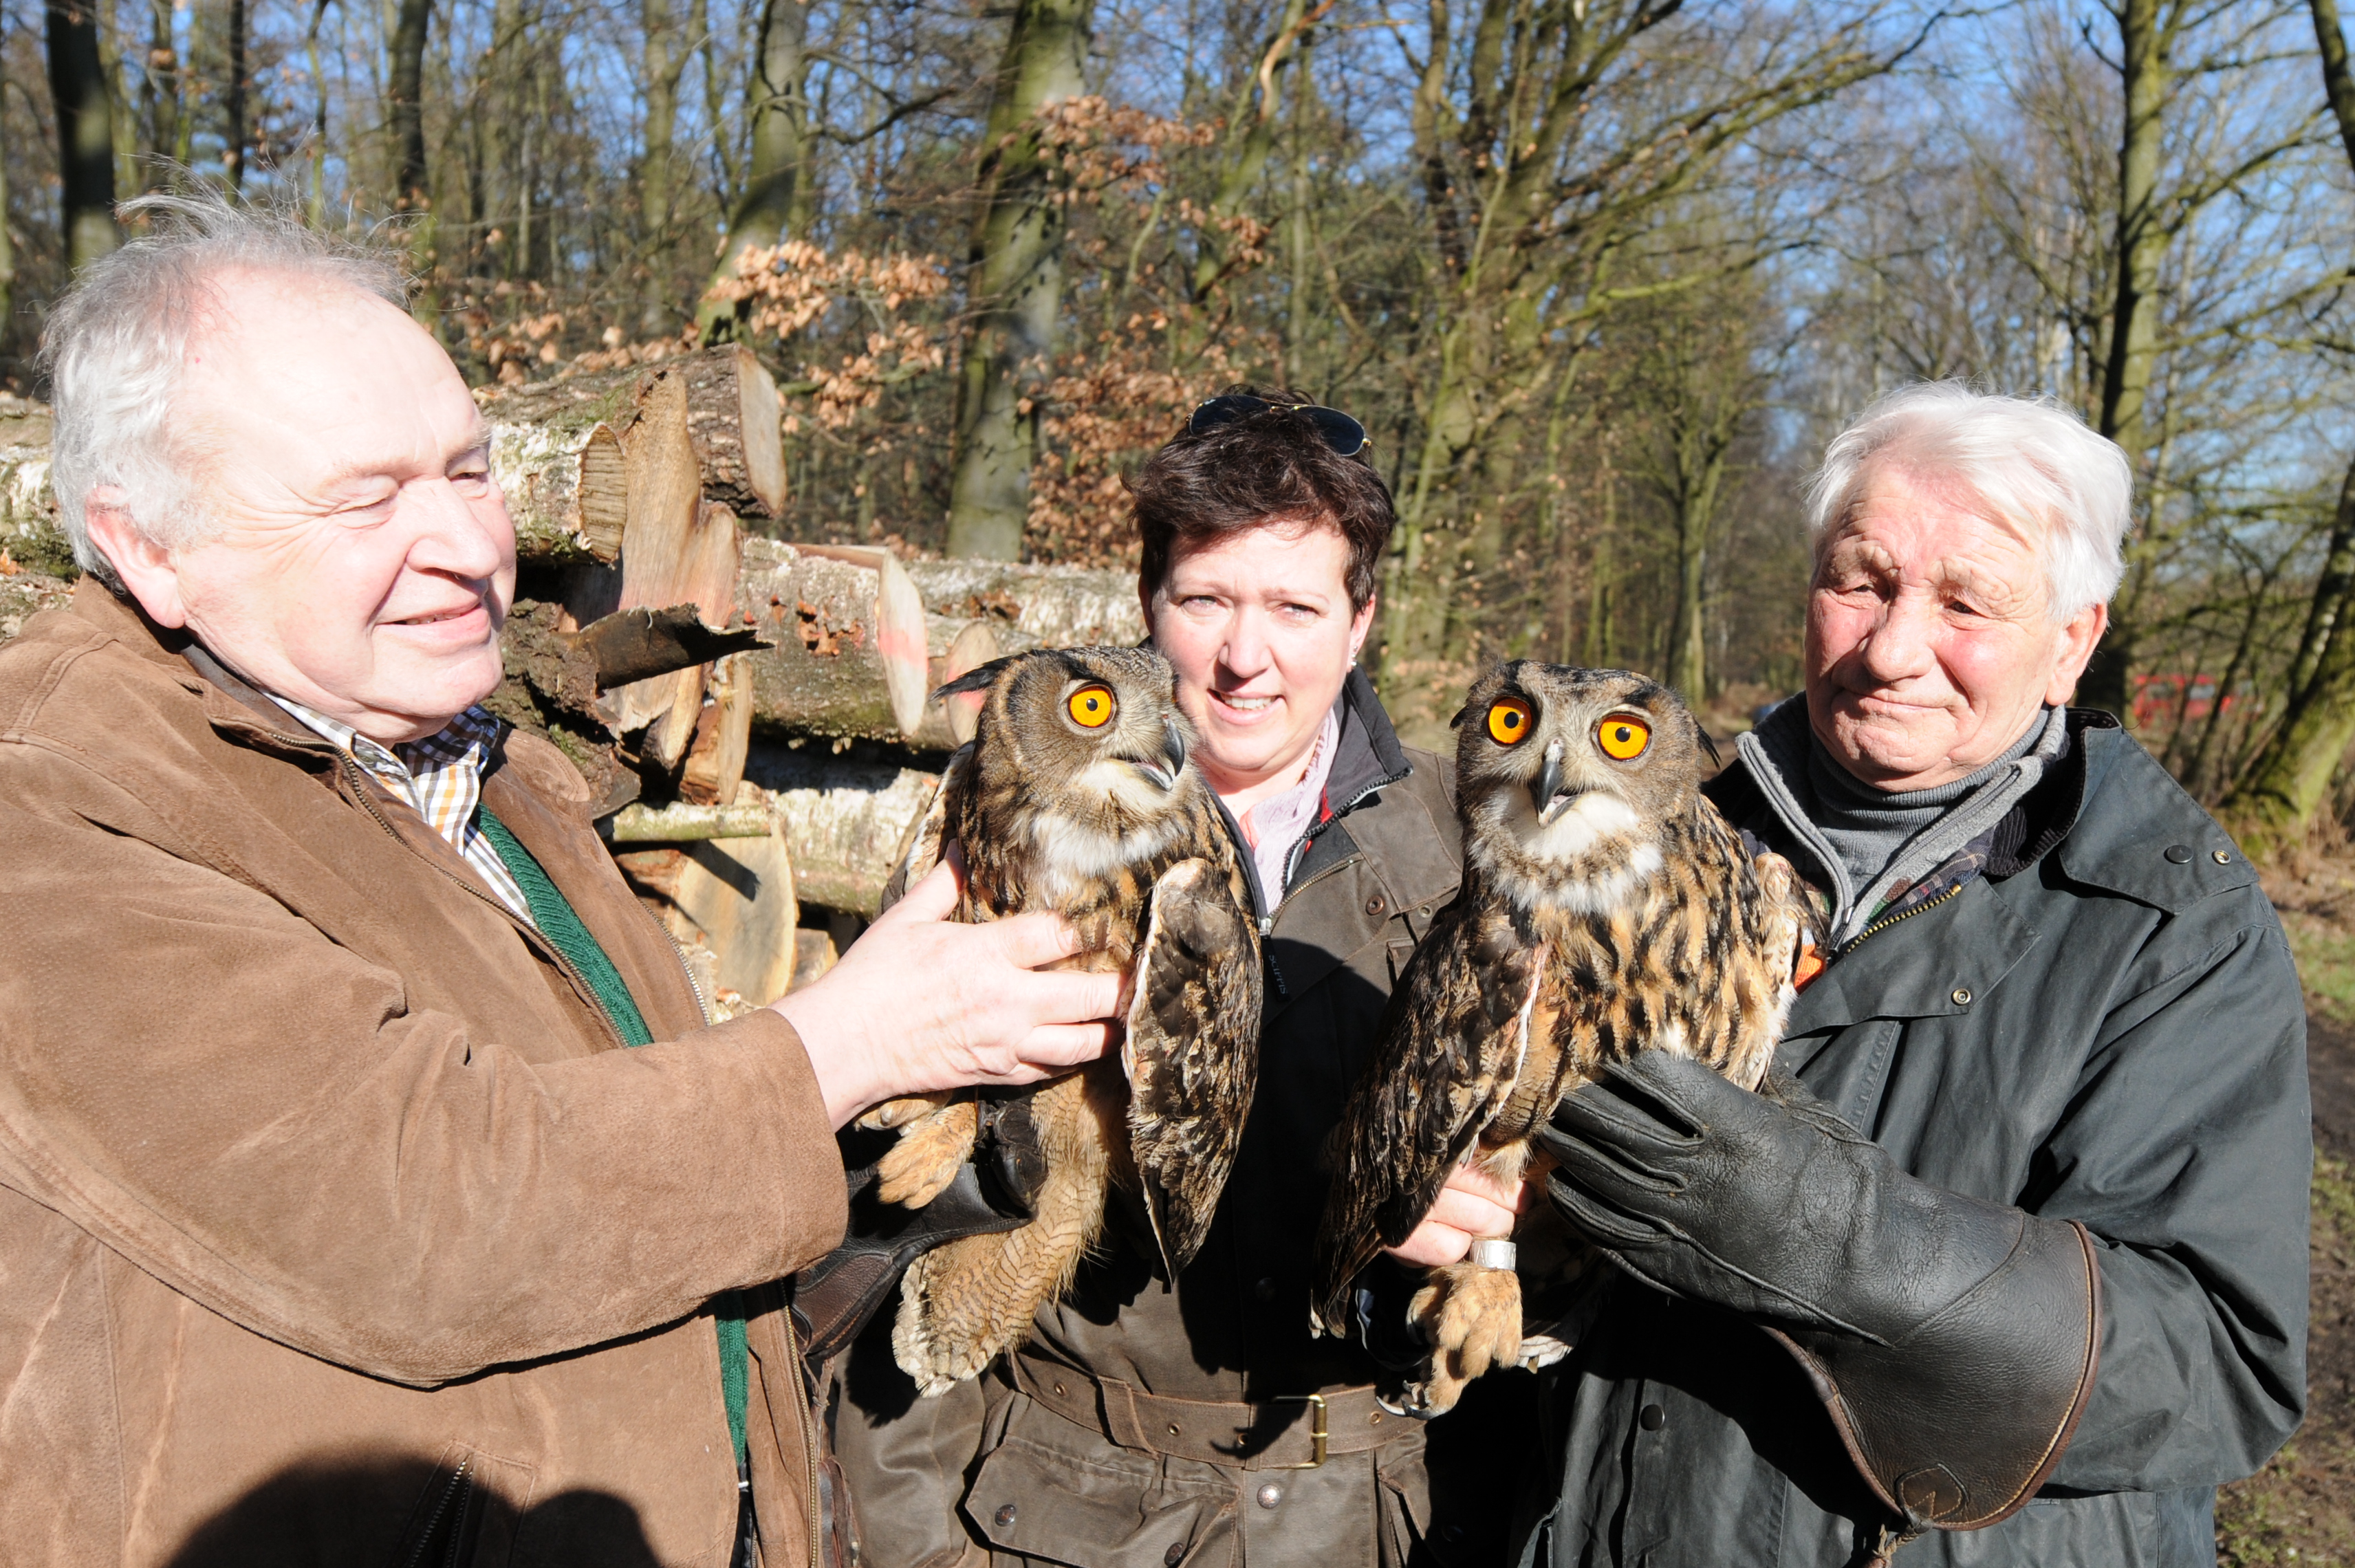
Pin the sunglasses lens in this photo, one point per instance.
(1345, 435)
(1223, 410)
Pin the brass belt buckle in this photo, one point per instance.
(1317, 1429)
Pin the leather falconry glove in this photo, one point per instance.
(995, 1190)
(1952, 1340)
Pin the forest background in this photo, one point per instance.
(1599, 275)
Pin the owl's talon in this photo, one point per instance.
(898, 1112)
(1470, 1316)
(920, 1167)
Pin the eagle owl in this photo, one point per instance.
(1606, 909)
(1074, 795)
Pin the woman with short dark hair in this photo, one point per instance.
(1150, 1425)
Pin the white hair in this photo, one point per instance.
(2031, 463)
(117, 342)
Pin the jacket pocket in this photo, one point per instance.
(1090, 1504)
(466, 1515)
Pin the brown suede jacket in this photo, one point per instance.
(335, 1225)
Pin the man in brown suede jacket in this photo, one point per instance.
(339, 1222)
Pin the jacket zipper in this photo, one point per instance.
(456, 1489)
(806, 1403)
(1881, 925)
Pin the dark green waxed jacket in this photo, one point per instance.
(2102, 1025)
(984, 1474)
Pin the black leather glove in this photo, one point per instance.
(834, 1296)
(1952, 1340)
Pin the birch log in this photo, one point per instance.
(848, 656)
(845, 821)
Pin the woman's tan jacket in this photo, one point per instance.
(335, 1223)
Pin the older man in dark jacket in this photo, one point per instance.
(2017, 1262)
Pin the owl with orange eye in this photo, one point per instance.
(1606, 909)
(1076, 795)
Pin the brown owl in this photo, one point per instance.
(1075, 795)
(1606, 909)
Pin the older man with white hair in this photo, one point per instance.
(373, 1188)
(2013, 1259)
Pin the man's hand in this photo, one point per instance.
(921, 1003)
(1473, 1205)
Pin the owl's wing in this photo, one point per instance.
(1192, 1052)
(1449, 1054)
(922, 851)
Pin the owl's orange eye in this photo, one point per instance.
(1623, 738)
(1090, 707)
(1510, 721)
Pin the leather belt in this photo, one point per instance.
(1293, 1431)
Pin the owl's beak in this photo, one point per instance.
(1544, 790)
(1173, 756)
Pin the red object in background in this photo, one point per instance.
(2160, 700)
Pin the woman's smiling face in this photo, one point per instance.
(1259, 627)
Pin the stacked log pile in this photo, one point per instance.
(755, 717)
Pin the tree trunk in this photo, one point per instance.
(2276, 799)
(847, 821)
(2140, 247)
(1017, 282)
(666, 59)
(85, 116)
(233, 136)
(405, 105)
(2273, 803)
(775, 201)
(159, 86)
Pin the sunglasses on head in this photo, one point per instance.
(1345, 435)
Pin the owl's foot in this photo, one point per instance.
(1470, 1316)
(920, 1167)
(898, 1112)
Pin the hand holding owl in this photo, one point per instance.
(921, 1003)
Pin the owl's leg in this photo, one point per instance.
(919, 1167)
(900, 1111)
(1470, 1316)
(962, 1303)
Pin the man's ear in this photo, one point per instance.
(2080, 634)
(145, 568)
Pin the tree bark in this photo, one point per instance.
(233, 135)
(2140, 247)
(1017, 282)
(775, 205)
(848, 821)
(405, 106)
(666, 60)
(85, 116)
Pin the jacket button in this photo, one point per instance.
(2178, 854)
(1175, 1556)
(1374, 904)
(1653, 1418)
(1005, 1517)
(1270, 1494)
(1961, 995)
(1265, 1289)
(2222, 858)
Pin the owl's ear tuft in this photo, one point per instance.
(1457, 722)
(1701, 734)
(981, 678)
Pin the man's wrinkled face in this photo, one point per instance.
(363, 561)
(1260, 628)
(1930, 644)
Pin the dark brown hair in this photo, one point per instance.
(1267, 467)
